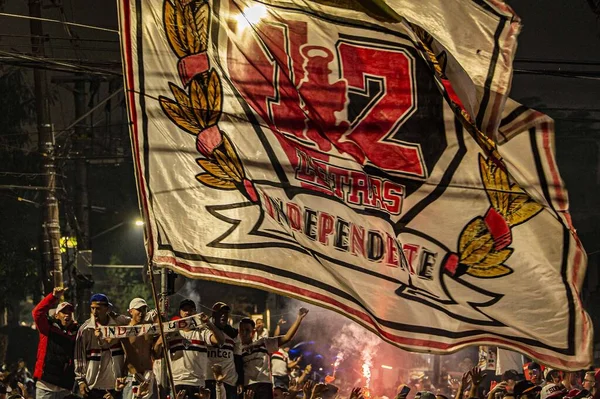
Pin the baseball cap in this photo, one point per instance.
(525, 387)
(534, 366)
(220, 306)
(137, 303)
(187, 302)
(510, 375)
(101, 298)
(548, 374)
(550, 391)
(64, 307)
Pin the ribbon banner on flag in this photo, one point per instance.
(367, 160)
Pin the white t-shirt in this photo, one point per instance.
(263, 334)
(188, 356)
(256, 360)
(223, 355)
(279, 363)
(106, 376)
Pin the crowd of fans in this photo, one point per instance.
(215, 360)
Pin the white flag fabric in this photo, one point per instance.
(364, 160)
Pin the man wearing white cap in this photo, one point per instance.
(138, 351)
(54, 370)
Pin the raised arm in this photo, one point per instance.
(278, 327)
(477, 377)
(294, 363)
(40, 312)
(218, 336)
(284, 339)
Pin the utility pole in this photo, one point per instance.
(84, 280)
(82, 205)
(50, 226)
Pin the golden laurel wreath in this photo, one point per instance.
(483, 245)
(198, 109)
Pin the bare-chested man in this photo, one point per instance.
(138, 351)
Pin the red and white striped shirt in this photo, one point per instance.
(223, 355)
(188, 356)
(279, 363)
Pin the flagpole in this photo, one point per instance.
(162, 333)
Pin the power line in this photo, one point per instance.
(567, 109)
(16, 187)
(34, 133)
(21, 174)
(4, 14)
(72, 125)
(562, 74)
(555, 61)
(81, 68)
(113, 50)
(49, 38)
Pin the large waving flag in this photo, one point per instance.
(365, 159)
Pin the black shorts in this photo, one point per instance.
(281, 381)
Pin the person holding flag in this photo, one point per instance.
(187, 350)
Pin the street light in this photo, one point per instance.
(138, 222)
(251, 16)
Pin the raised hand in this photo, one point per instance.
(83, 389)
(477, 376)
(143, 389)
(357, 393)
(120, 383)
(500, 386)
(58, 292)
(204, 317)
(217, 370)
(24, 391)
(203, 394)
(307, 389)
(302, 312)
(281, 321)
(294, 387)
(465, 380)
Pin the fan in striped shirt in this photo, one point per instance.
(257, 372)
(187, 349)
